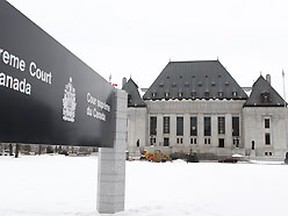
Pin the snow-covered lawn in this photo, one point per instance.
(66, 186)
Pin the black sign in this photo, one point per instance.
(48, 95)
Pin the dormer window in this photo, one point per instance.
(180, 94)
(265, 97)
(174, 85)
(154, 94)
(207, 94)
(220, 94)
(234, 93)
(167, 94)
(193, 94)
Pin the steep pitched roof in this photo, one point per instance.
(264, 95)
(195, 80)
(134, 98)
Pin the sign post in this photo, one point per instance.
(49, 96)
(111, 164)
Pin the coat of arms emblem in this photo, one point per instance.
(69, 102)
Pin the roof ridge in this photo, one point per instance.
(193, 61)
(131, 80)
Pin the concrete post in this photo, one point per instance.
(111, 164)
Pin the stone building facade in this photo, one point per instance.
(265, 121)
(198, 106)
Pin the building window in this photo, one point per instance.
(234, 94)
(265, 97)
(166, 124)
(153, 126)
(180, 94)
(221, 125)
(207, 94)
(193, 140)
(166, 141)
(193, 94)
(179, 126)
(207, 126)
(154, 94)
(235, 126)
(193, 126)
(152, 140)
(236, 141)
(220, 94)
(221, 143)
(179, 140)
(267, 123)
(267, 139)
(167, 94)
(207, 141)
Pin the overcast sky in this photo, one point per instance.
(137, 38)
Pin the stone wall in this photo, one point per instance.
(254, 131)
(139, 124)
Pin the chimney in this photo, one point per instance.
(124, 80)
(268, 78)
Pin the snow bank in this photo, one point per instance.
(58, 186)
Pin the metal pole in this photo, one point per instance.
(284, 87)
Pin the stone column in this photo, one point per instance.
(111, 164)
(159, 131)
(186, 138)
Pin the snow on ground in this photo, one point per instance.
(66, 186)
